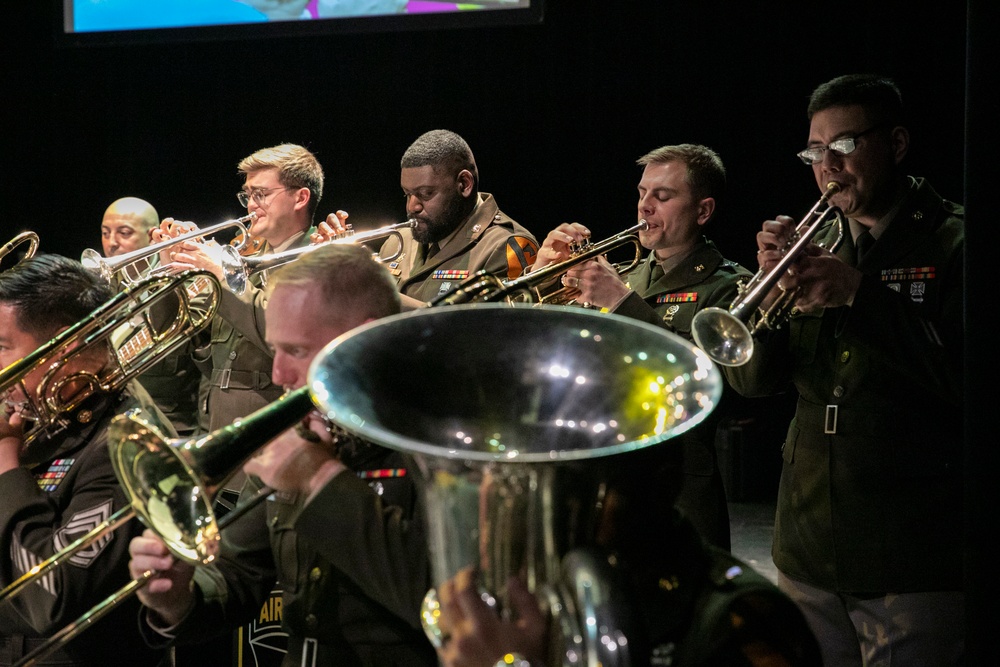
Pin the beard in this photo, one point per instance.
(456, 210)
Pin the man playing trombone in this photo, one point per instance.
(343, 535)
(61, 483)
(679, 192)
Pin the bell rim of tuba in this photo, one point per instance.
(333, 367)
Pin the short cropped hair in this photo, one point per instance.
(297, 168)
(705, 172)
(355, 287)
(442, 150)
(49, 292)
(879, 96)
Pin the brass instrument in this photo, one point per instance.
(727, 335)
(506, 466)
(140, 310)
(238, 269)
(531, 287)
(171, 484)
(110, 267)
(31, 238)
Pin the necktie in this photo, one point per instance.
(864, 243)
(656, 273)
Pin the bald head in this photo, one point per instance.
(126, 224)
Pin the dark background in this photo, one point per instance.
(555, 112)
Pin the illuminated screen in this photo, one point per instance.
(116, 20)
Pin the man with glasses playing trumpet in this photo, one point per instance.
(343, 534)
(282, 188)
(868, 530)
(61, 483)
(679, 192)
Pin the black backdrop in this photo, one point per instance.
(556, 114)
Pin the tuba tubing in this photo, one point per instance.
(726, 335)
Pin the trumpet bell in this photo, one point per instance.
(723, 336)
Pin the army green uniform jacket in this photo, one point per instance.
(352, 566)
(66, 487)
(870, 497)
(237, 361)
(489, 240)
(703, 279)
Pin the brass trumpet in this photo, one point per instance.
(238, 269)
(110, 267)
(531, 286)
(31, 238)
(727, 335)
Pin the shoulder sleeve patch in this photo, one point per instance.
(521, 253)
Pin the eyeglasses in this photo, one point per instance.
(841, 147)
(259, 195)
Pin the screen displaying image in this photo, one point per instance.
(109, 16)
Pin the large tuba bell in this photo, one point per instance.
(505, 437)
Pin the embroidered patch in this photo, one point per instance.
(521, 253)
(24, 560)
(678, 297)
(450, 274)
(79, 525)
(50, 480)
(915, 273)
(917, 290)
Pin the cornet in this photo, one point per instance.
(31, 238)
(109, 267)
(530, 287)
(238, 269)
(727, 335)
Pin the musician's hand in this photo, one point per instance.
(296, 464)
(334, 226)
(168, 593)
(11, 438)
(823, 280)
(192, 255)
(557, 244)
(169, 229)
(597, 283)
(476, 636)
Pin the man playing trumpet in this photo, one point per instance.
(679, 193)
